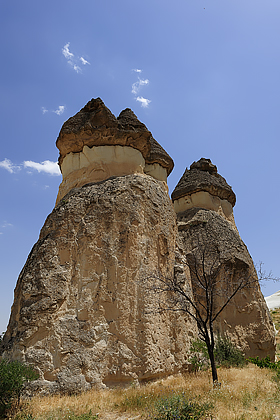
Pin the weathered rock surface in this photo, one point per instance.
(83, 311)
(81, 308)
(202, 187)
(95, 145)
(246, 318)
(203, 176)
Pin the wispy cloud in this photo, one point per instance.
(4, 225)
(57, 111)
(137, 86)
(65, 51)
(144, 101)
(9, 166)
(73, 60)
(47, 166)
(84, 61)
(60, 110)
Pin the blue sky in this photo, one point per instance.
(208, 87)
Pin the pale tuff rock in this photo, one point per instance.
(95, 145)
(81, 312)
(204, 218)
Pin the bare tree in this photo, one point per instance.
(215, 281)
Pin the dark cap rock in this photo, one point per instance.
(95, 125)
(203, 176)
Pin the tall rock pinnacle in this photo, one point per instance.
(82, 313)
(203, 201)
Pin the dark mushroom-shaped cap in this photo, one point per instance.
(95, 125)
(203, 176)
(128, 121)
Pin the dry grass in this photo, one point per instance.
(248, 393)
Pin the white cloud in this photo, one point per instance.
(137, 85)
(84, 62)
(9, 166)
(47, 166)
(137, 70)
(72, 60)
(144, 102)
(65, 51)
(76, 68)
(6, 224)
(60, 110)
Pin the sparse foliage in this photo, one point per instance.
(215, 281)
(179, 407)
(225, 353)
(13, 377)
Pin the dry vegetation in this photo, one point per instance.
(244, 393)
(247, 393)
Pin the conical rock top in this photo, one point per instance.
(127, 120)
(203, 176)
(95, 125)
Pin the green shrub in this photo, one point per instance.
(13, 377)
(179, 407)
(199, 356)
(226, 354)
(265, 363)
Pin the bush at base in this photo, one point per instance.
(225, 353)
(179, 407)
(13, 377)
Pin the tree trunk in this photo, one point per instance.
(213, 364)
(210, 348)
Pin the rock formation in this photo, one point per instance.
(82, 312)
(95, 145)
(203, 202)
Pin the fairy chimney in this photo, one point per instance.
(82, 313)
(204, 202)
